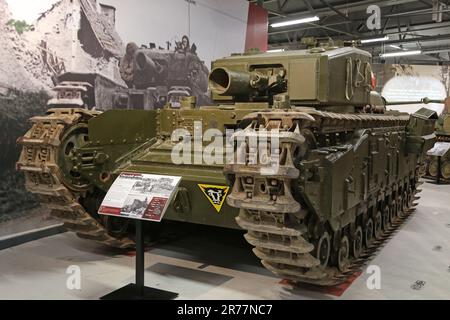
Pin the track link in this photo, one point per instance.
(442, 138)
(274, 220)
(39, 162)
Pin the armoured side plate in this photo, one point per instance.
(316, 205)
(420, 131)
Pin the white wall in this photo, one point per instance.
(414, 88)
(29, 10)
(218, 28)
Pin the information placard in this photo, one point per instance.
(439, 149)
(140, 196)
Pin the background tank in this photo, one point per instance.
(167, 70)
(153, 77)
(442, 147)
(338, 175)
(103, 93)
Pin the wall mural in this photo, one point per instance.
(135, 53)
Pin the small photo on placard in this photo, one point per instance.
(135, 206)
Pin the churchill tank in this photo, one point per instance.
(438, 160)
(297, 150)
(153, 78)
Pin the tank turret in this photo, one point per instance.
(170, 69)
(438, 161)
(149, 72)
(443, 124)
(153, 78)
(314, 77)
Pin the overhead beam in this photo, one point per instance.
(415, 39)
(320, 26)
(334, 30)
(430, 5)
(353, 7)
(337, 11)
(415, 13)
(281, 4)
(387, 31)
(421, 39)
(428, 51)
(386, 23)
(309, 6)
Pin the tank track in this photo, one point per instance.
(429, 176)
(442, 180)
(443, 138)
(276, 226)
(39, 162)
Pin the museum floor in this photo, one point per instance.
(217, 264)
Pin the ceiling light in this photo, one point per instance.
(291, 22)
(275, 50)
(436, 51)
(399, 54)
(375, 39)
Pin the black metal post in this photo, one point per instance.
(439, 171)
(139, 257)
(137, 291)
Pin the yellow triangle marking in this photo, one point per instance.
(215, 194)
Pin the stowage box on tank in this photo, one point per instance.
(337, 176)
(438, 160)
(334, 78)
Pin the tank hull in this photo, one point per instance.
(315, 173)
(438, 161)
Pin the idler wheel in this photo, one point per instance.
(393, 211)
(423, 169)
(445, 169)
(368, 234)
(117, 227)
(409, 198)
(357, 242)
(399, 206)
(405, 202)
(378, 225)
(386, 218)
(69, 161)
(343, 254)
(323, 249)
(433, 168)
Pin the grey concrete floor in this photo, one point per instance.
(211, 263)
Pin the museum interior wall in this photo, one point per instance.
(406, 82)
(90, 37)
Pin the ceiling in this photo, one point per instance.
(409, 24)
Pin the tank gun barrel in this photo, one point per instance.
(147, 70)
(423, 100)
(223, 81)
(143, 62)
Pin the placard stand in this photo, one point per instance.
(137, 291)
(438, 180)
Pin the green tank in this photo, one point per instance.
(438, 160)
(303, 157)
